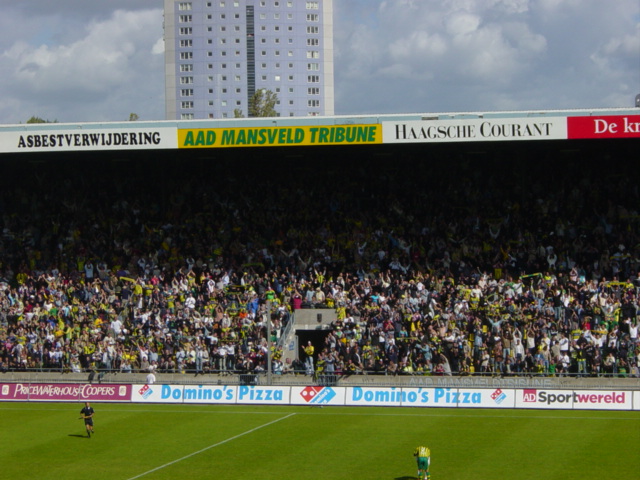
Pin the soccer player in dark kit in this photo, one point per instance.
(87, 414)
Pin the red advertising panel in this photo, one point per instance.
(615, 126)
(64, 392)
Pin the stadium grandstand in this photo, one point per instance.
(402, 248)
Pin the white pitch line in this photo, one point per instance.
(210, 446)
(361, 411)
(121, 410)
(483, 413)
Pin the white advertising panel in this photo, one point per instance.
(81, 139)
(544, 398)
(372, 396)
(315, 395)
(486, 398)
(264, 395)
(218, 394)
(437, 397)
(636, 400)
(209, 394)
(475, 130)
(431, 397)
(458, 397)
(602, 400)
(157, 393)
(575, 399)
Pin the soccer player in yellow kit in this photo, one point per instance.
(423, 456)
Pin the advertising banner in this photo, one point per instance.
(431, 397)
(544, 398)
(31, 140)
(470, 398)
(157, 393)
(211, 394)
(613, 126)
(315, 395)
(264, 395)
(602, 400)
(372, 396)
(64, 392)
(279, 136)
(483, 398)
(475, 130)
(575, 399)
(442, 397)
(532, 398)
(184, 393)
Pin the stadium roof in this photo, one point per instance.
(319, 131)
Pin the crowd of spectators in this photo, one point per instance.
(496, 266)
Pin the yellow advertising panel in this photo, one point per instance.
(279, 136)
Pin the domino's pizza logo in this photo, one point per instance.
(498, 396)
(317, 395)
(145, 391)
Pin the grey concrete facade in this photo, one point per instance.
(218, 53)
(590, 383)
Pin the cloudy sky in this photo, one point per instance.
(100, 60)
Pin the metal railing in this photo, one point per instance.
(378, 379)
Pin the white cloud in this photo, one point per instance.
(105, 64)
(361, 40)
(94, 61)
(461, 24)
(489, 55)
(624, 46)
(158, 47)
(417, 45)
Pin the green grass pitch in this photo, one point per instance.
(152, 442)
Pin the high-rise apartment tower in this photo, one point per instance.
(218, 53)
